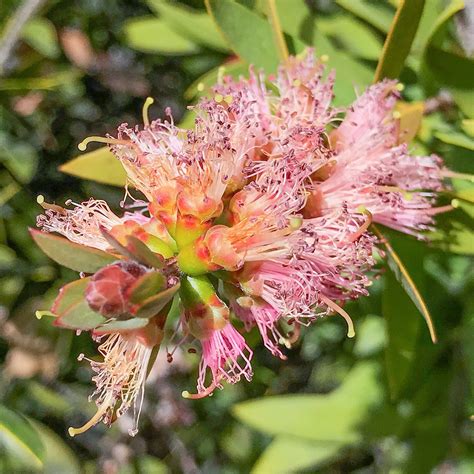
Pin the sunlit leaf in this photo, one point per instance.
(403, 277)
(243, 30)
(287, 454)
(71, 255)
(41, 35)
(153, 35)
(99, 165)
(335, 417)
(192, 24)
(143, 253)
(399, 39)
(20, 440)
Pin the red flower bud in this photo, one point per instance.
(107, 291)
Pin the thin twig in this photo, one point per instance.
(277, 31)
(13, 28)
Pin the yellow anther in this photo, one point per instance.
(324, 58)
(228, 98)
(218, 98)
(200, 87)
(396, 114)
(400, 86)
(297, 83)
(455, 203)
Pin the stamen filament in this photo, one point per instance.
(95, 419)
(197, 396)
(54, 207)
(354, 236)
(109, 141)
(338, 309)
(148, 102)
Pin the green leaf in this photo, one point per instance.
(79, 316)
(71, 255)
(196, 26)
(403, 327)
(59, 457)
(20, 440)
(344, 29)
(153, 305)
(201, 86)
(249, 35)
(374, 13)
(99, 165)
(143, 253)
(146, 286)
(403, 277)
(41, 35)
(69, 295)
(335, 417)
(457, 139)
(20, 158)
(291, 454)
(399, 39)
(153, 35)
(117, 326)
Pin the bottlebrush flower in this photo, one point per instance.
(261, 214)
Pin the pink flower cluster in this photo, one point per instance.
(264, 209)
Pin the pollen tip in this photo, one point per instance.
(72, 432)
(400, 87)
(200, 87)
(351, 333)
(324, 58)
(455, 203)
(82, 146)
(185, 394)
(38, 314)
(396, 114)
(40, 199)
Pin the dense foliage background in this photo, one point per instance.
(388, 400)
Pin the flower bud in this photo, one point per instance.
(107, 291)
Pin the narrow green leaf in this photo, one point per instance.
(152, 306)
(79, 316)
(196, 26)
(146, 286)
(20, 440)
(99, 165)
(403, 326)
(335, 417)
(71, 255)
(403, 277)
(152, 35)
(399, 39)
(245, 30)
(287, 454)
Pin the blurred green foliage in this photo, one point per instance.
(387, 401)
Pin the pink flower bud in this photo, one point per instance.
(108, 288)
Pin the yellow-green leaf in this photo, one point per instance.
(399, 39)
(99, 165)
